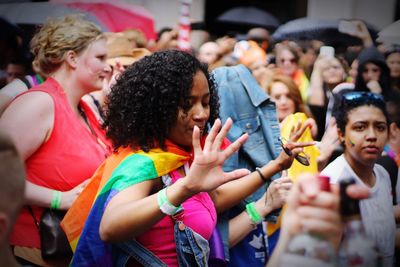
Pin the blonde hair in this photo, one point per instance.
(58, 36)
(136, 36)
(294, 93)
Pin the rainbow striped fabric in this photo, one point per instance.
(121, 170)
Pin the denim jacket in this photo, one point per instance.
(252, 112)
(191, 248)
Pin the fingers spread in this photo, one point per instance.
(298, 131)
(212, 135)
(196, 140)
(222, 134)
(232, 148)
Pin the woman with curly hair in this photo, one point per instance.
(164, 185)
(54, 131)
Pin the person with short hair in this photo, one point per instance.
(362, 123)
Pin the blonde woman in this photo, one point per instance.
(54, 131)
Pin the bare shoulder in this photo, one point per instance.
(29, 121)
(32, 104)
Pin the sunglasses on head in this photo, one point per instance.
(301, 157)
(360, 97)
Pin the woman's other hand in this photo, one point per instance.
(68, 197)
(276, 195)
(329, 142)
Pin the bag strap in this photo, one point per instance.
(83, 114)
(33, 216)
(26, 82)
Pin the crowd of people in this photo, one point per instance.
(207, 157)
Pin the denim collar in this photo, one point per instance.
(256, 96)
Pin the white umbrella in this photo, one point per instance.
(37, 13)
(390, 34)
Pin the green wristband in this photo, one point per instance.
(165, 206)
(255, 217)
(56, 201)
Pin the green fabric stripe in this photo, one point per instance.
(132, 170)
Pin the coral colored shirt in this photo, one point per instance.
(199, 214)
(66, 159)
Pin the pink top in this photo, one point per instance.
(199, 214)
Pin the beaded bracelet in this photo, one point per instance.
(165, 206)
(255, 217)
(56, 201)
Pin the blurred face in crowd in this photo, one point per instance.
(308, 57)
(92, 66)
(333, 73)
(260, 71)
(393, 62)
(198, 114)
(209, 52)
(285, 106)
(286, 61)
(15, 71)
(371, 72)
(365, 135)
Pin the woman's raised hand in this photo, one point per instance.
(206, 172)
(291, 149)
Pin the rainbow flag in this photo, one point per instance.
(121, 170)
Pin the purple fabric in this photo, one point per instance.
(217, 255)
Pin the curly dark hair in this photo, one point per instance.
(144, 103)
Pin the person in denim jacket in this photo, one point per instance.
(252, 112)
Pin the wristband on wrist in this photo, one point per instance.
(165, 206)
(255, 217)
(261, 175)
(56, 200)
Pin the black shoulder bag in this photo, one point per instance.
(53, 241)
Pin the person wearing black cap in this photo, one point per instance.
(373, 73)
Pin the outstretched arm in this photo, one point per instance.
(230, 194)
(125, 217)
